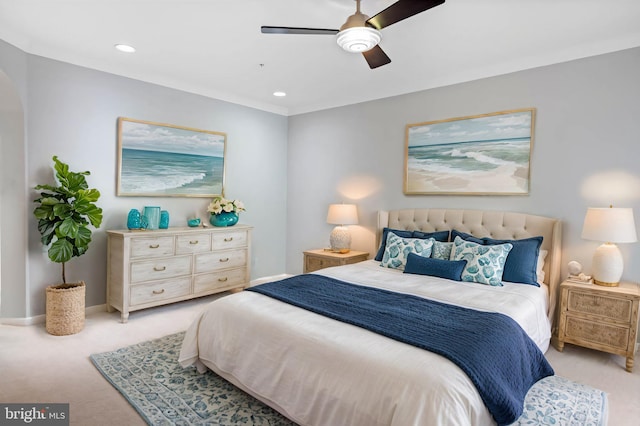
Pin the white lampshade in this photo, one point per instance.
(341, 214)
(610, 225)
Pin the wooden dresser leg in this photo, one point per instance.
(630, 364)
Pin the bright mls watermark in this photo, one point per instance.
(34, 414)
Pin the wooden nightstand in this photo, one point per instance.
(318, 259)
(602, 318)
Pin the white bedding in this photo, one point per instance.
(318, 371)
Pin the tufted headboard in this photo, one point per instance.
(486, 223)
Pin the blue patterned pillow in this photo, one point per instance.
(438, 236)
(485, 264)
(397, 250)
(522, 261)
(385, 233)
(449, 269)
(441, 250)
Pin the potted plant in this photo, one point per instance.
(64, 212)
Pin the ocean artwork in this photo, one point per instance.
(485, 154)
(165, 160)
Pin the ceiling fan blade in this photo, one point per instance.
(293, 30)
(402, 9)
(376, 57)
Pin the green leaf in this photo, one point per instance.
(61, 251)
(68, 228)
(83, 238)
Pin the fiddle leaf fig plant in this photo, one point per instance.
(64, 212)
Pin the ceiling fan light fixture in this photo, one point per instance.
(358, 39)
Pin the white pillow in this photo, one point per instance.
(485, 264)
(539, 267)
(397, 250)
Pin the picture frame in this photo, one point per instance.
(165, 160)
(486, 154)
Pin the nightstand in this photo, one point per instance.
(319, 259)
(602, 318)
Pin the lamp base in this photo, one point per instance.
(606, 284)
(340, 239)
(607, 265)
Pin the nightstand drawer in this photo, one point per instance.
(595, 332)
(616, 309)
(314, 263)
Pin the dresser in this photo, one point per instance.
(152, 268)
(602, 318)
(320, 258)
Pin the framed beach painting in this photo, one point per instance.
(488, 154)
(164, 160)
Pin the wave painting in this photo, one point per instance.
(488, 154)
(163, 160)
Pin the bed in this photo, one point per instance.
(317, 370)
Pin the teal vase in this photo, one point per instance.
(134, 219)
(164, 219)
(224, 219)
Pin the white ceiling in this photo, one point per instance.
(215, 47)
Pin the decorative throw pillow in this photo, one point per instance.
(449, 269)
(438, 236)
(383, 243)
(441, 250)
(485, 263)
(539, 268)
(522, 261)
(397, 249)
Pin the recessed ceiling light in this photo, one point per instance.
(279, 94)
(125, 48)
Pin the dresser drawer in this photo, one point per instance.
(223, 279)
(152, 247)
(193, 243)
(214, 261)
(231, 239)
(160, 290)
(613, 308)
(610, 335)
(148, 270)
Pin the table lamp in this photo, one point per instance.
(341, 215)
(610, 225)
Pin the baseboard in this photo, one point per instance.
(40, 319)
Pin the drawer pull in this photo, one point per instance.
(154, 246)
(223, 279)
(193, 242)
(158, 291)
(226, 240)
(226, 259)
(158, 269)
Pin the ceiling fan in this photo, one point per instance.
(361, 34)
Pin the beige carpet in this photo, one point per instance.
(38, 367)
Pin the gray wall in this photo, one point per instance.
(586, 133)
(72, 112)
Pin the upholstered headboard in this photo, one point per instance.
(486, 223)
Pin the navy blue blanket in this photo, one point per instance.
(491, 348)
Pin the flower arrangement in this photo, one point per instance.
(221, 204)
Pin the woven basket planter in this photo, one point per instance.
(65, 309)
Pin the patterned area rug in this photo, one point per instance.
(150, 378)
